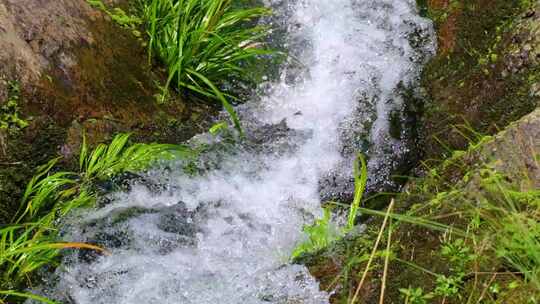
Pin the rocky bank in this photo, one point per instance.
(65, 68)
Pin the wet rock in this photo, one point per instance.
(166, 228)
(515, 152)
(105, 239)
(178, 220)
(125, 182)
(397, 153)
(278, 139)
(31, 32)
(95, 130)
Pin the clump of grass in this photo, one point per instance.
(204, 43)
(24, 248)
(120, 156)
(513, 217)
(48, 189)
(323, 231)
(502, 228)
(31, 241)
(207, 46)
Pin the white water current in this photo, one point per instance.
(225, 236)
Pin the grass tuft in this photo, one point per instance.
(31, 241)
(204, 43)
(323, 231)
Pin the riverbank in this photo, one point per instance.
(481, 148)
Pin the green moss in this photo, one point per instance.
(468, 82)
(119, 16)
(10, 118)
(23, 154)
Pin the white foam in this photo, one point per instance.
(246, 217)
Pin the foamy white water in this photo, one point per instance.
(225, 236)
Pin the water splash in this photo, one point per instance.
(225, 235)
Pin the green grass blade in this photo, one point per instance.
(228, 107)
(26, 296)
(360, 181)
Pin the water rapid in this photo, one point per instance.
(225, 235)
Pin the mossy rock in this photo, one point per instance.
(485, 73)
(79, 72)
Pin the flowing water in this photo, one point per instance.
(225, 235)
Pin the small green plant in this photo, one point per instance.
(320, 234)
(118, 15)
(323, 232)
(458, 254)
(415, 295)
(448, 286)
(10, 119)
(11, 122)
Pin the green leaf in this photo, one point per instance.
(26, 295)
(360, 181)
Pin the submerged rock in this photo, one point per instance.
(277, 139)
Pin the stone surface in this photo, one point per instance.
(34, 33)
(515, 152)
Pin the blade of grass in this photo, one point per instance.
(224, 101)
(26, 295)
(373, 252)
(360, 181)
(386, 263)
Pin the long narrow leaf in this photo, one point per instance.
(26, 296)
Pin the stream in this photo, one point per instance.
(225, 236)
